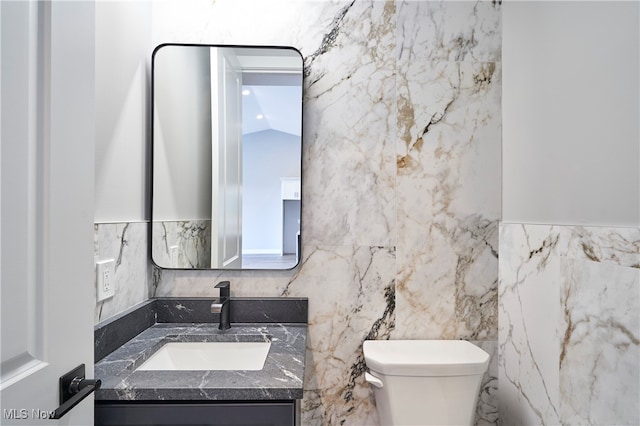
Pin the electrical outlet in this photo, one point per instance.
(104, 279)
(173, 254)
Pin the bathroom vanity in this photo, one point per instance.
(166, 361)
(173, 395)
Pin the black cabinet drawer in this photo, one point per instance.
(272, 413)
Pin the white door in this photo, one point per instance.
(46, 221)
(226, 102)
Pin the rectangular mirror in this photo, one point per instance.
(227, 157)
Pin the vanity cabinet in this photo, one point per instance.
(263, 413)
(269, 396)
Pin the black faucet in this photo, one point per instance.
(221, 305)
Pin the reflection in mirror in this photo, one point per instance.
(227, 155)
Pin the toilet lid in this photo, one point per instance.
(425, 357)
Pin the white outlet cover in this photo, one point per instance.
(105, 285)
(173, 254)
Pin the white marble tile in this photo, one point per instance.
(126, 244)
(450, 30)
(349, 154)
(568, 325)
(341, 317)
(600, 349)
(618, 246)
(528, 339)
(448, 165)
(182, 244)
(487, 407)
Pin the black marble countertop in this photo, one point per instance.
(281, 377)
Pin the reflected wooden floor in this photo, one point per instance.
(268, 261)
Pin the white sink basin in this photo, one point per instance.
(208, 356)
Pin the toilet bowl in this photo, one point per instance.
(425, 382)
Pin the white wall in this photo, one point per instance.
(571, 152)
(123, 57)
(267, 156)
(182, 134)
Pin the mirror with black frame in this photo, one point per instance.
(226, 157)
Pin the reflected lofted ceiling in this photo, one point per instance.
(272, 91)
(271, 108)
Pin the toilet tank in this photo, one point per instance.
(425, 382)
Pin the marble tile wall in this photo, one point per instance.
(401, 184)
(569, 332)
(182, 244)
(126, 244)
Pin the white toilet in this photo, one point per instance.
(425, 382)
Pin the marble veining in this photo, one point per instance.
(340, 319)
(182, 244)
(577, 287)
(126, 244)
(450, 31)
(119, 329)
(600, 344)
(447, 238)
(281, 377)
(353, 69)
(487, 407)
